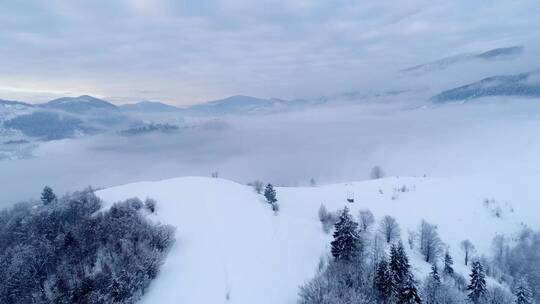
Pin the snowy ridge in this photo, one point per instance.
(232, 249)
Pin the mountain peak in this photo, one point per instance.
(80, 104)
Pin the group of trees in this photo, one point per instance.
(516, 262)
(359, 270)
(371, 266)
(69, 250)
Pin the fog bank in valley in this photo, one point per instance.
(490, 137)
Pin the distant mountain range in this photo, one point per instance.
(75, 116)
(523, 85)
(234, 105)
(493, 54)
(61, 118)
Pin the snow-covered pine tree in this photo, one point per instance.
(399, 264)
(432, 288)
(523, 292)
(405, 290)
(270, 194)
(448, 262)
(47, 196)
(434, 274)
(409, 293)
(477, 287)
(383, 282)
(346, 239)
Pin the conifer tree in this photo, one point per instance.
(270, 194)
(47, 196)
(477, 287)
(434, 275)
(448, 262)
(409, 293)
(432, 289)
(405, 290)
(346, 239)
(523, 292)
(383, 282)
(399, 264)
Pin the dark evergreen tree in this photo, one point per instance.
(346, 238)
(383, 282)
(434, 274)
(523, 292)
(432, 288)
(408, 293)
(477, 287)
(448, 262)
(270, 194)
(47, 195)
(405, 290)
(399, 264)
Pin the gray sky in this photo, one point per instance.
(185, 52)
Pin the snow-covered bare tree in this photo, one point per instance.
(389, 228)
(328, 219)
(376, 172)
(468, 250)
(365, 220)
(258, 186)
(429, 241)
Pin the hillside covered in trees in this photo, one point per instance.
(72, 250)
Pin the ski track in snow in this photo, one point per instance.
(231, 248)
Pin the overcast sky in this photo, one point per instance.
(185, 52)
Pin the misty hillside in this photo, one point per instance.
(441, 64)
(232, 248)
(149, 107)
(519, 85)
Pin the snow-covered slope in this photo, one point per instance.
(231, 246)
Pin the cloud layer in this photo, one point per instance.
(190, 51)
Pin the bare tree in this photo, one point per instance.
(312, 182)
(430, 242)
(411, 238)
(376, 172)
(258, 186)
(365, 220)
(328, 219)
(468, 248)
(389, 228)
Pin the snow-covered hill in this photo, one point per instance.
(231, 248)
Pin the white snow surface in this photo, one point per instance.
(231, 248)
